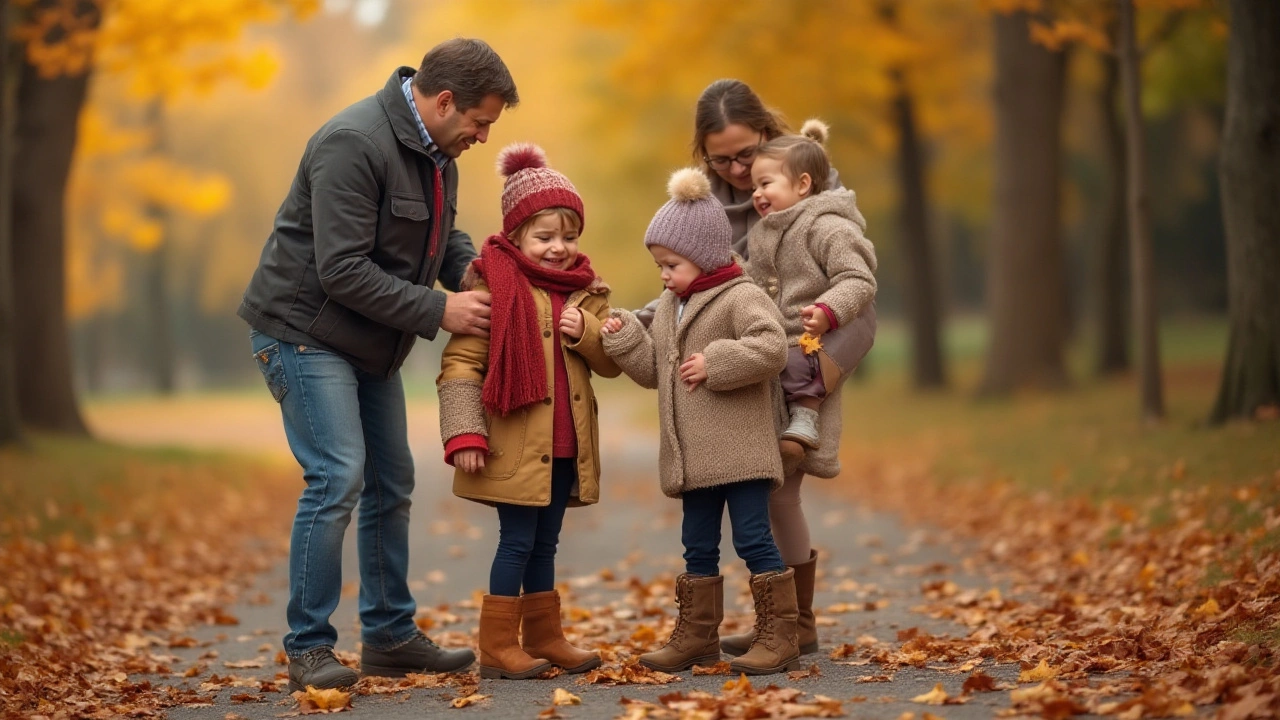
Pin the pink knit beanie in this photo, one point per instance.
(531, 186)
(692, 223)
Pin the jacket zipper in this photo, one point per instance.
(428, 259)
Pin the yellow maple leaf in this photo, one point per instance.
(468, 700)
(936, 696)
(1039, 673)
(1210, 607)
(564, 697)
(810, 344)
(742, 684)
(315, 700)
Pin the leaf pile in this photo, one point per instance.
(738, 699)
(79, 618)
(1160, 603)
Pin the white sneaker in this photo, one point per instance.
(803, 428)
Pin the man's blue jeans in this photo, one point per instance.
(348, 431)
(748, 503)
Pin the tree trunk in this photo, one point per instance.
(921, 277)
(10, 418)
(1141, 260)
(159, 329)
(48, 111)
(1110, 266)
(1027, 284)
(155, 296)
(1249, 169)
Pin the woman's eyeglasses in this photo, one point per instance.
(744, 158)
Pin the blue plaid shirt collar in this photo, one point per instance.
(432, 149)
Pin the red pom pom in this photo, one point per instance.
(520, 156)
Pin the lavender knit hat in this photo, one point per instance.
(692, 223)
(531, 186)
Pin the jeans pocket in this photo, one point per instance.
(272, 367)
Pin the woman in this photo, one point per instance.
(730, 124)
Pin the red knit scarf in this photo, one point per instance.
(706, 281)
(517, 374)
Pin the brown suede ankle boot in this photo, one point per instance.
(543, 636)
(806, 574)
(500, 653)
(696, 638)
(776, 646)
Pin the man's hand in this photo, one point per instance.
(816, 321)
(693, 371)
(469, 460)
(611, 326)
(571, 323)
(466, 313)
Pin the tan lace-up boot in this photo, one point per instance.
(696, 638)
(806, 574)
(776, 646)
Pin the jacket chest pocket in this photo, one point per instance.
(404, 234)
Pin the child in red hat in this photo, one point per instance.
(517, 413)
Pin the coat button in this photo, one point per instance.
(546, 401)
(546, 333)
(576, 397)
(546, 459)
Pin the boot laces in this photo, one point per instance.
(684, 599)
(764, 608)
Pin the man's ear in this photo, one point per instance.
(804, 184)
(443, 101)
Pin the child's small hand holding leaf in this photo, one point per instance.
(816, 321)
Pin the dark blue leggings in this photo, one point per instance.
(748, 502)
(527, 537)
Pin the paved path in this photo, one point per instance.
(633, 533)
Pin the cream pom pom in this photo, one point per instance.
(815, 130)
(520, 156)
(688, 184)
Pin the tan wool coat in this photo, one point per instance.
(724, 430)
(816, 252)
(518, 467)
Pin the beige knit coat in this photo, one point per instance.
(725, 430)
(816, 252)
(518, 467)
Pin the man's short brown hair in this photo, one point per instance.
(469, 69)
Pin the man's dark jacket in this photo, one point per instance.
(347, 267)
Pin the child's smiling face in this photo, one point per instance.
(677, 271)
(549, 241)
(774, 191)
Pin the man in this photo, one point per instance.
(344, 286)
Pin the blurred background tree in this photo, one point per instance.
(1003, 252)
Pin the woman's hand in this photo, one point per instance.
(611, 326)
(469, 460)
(816, 321)
(571, 323)
(693, 371)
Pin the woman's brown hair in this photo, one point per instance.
(732, 102)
